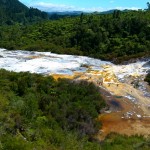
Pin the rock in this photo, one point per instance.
(139, 116)
(146, 64)
(148, 71)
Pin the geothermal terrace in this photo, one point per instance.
(122, 86)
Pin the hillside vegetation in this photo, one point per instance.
(13, 11)
(119, 36)
(38, 112)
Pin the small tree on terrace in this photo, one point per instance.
(148, 6)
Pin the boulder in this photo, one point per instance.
(147, 64)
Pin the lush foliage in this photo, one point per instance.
(119, 142)
(118, 36)
(41, 110)
(147, 79)
(12, 11)
(40, 113)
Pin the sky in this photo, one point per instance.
(85, 5)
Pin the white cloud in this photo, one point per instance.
(131, 8)
(50, 7)
(61, 7)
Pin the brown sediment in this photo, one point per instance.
(66, 76)
(125, 121)
(34, 57)
(125, 89)
(40, 56)
(114, 123)
(58, 76)
(132, 119)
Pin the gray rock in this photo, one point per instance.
(147, 64)
(148, 71)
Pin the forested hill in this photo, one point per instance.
(12, 11)
(119, 36)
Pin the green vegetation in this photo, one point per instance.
(119, 142)
(13, 11)
(147, 79)
(38, 112)
(119, 36)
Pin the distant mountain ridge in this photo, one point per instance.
(56, 14)
(66, 13)
(12, 11)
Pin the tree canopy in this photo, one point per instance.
(12, 11)
(117, 37)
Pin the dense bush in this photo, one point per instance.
(147, 79)
(35, 107)
(111, 37)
